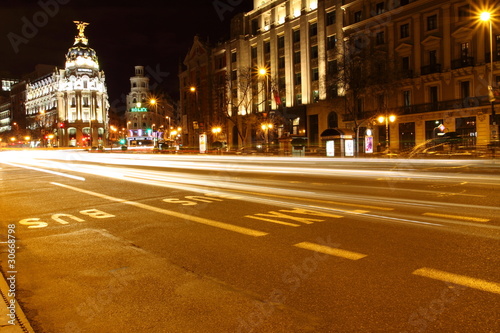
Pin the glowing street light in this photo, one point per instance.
(266, 127)
(386, 119)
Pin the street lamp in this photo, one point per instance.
(386, 119)
(216, 131)
(486, 17)
(266, 127)
(263, 72)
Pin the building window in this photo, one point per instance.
(331, 42)
(298, 99)
(316, 96)
(333, 120)
(381, 101)
(405, 64)
(464, 51)
(330, 18)
(234, 75)
(267, 47)
(432, 57)
(379, 8)
(314, 52)
(379, 38)
(315, 74)
(313, 29)
(431, 22)
(281, 42)
(255, 27)
(281, 62)
(497, 48)
(296, 58)
(357, 16)
(406, 98)
(254, 52)
(298, 79)
(463, 12)
(296, 36)
(465, 89)
(85, 101)
(359, 106)
(332, 67)
(404, 30)
(234, 57)
(433, 94)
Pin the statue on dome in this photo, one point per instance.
(80, 25)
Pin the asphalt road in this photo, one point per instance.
(149, 243)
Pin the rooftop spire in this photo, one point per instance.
(81, 36)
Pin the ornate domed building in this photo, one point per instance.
(71, 104)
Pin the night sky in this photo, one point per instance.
(155, 34)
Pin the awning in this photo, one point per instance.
(337, 133)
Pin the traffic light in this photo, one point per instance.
(122, 141)
(61, 125)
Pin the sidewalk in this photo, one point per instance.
(12, 320)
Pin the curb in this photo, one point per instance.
(21, 323)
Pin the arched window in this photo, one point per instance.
(333, 120)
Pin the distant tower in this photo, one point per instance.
(139, 89)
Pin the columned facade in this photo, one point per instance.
(69, 107)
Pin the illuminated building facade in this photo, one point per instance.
(437, 56)
(69, 107)
(148, 117)
(202, 91)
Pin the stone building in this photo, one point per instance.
(425, 61)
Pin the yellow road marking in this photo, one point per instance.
(200, 220)
(330, 250)
(458, 217)
(312, 200)
(357, 211)
(462, 280)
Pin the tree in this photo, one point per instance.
(237, 101)
(42, 125)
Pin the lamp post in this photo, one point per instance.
(263, 72)
(386, 119)
(486, 17)
(266, 127)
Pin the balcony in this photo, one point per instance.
(455, 104)
(430, 69)
(462, 62)
(444, 105)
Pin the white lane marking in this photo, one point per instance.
(462, 280)
(47, 171)
(331, 251)
(217, 224)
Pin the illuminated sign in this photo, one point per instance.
(203, 143)
(330, 148)
(368, 144)
(135, 109)
(349, 147)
